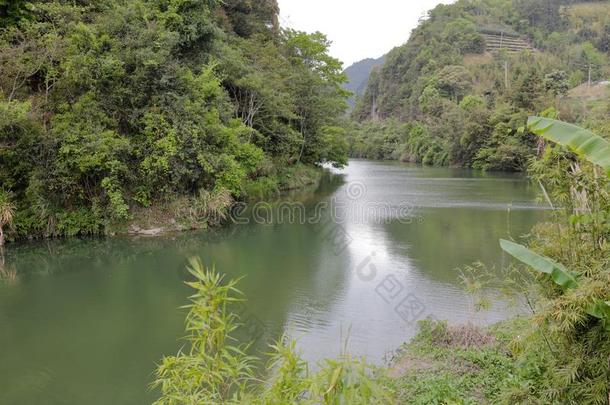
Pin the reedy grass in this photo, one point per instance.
(213, 368)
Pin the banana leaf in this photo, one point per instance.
(601, 310)
(586, 144)
(558, 272)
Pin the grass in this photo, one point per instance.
(298, 176)
(283, 179)
(476, 59)
(456, 365)
(594, 92)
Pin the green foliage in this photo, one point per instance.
(82, 222)
(209, 369)
(450, 365)
(576, 369)
(464, 35)
(7, 213)
(445, 65)
(454, 81)
(573, 321)
(377, 140)
(261, 188)
(318, 94)
(298, 176)
(247, 18)
(91, 153)
(13, 11)
(556, 82)
(586, 144)
(559, 274)
(109, 106)
(470, 103)
(19, 135)
(212, 369)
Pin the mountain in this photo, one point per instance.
(576, 34)
(358, 75)
(458, 91)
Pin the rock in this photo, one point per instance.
(136, 230)
(152, 232)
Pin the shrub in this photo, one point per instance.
(212, 368)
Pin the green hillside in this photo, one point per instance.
(458, 91)
(110, 108)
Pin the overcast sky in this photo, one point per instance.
(359, 29)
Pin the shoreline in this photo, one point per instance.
(180, 215)
(457, 363)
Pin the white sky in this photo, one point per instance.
(359, 29)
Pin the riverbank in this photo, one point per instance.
(461, 364)
(201, 211)
(213, 209)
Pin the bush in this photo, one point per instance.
(261, 188)
(297, 177)
(82, 222)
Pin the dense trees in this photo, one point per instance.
(468, 105)
(11, 11)
(107, 106)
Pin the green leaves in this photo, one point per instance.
(601, 310)
(212, 369)
(586, 144)
(148, 101)
(12, 11)
(559, 274)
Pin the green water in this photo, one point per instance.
(85, 321)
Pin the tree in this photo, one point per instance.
(463, 34)
(557, 83)
(316, 88)
(454, 81)
(545, 14)
(249, 17)
(12, 11)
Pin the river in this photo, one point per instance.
(354, 264)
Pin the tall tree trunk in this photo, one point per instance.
(1, 237)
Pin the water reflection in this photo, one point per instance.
(397, 272)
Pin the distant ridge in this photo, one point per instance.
(358, 76)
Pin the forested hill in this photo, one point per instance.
(109, 107)
(358, 76)
(458, 91)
